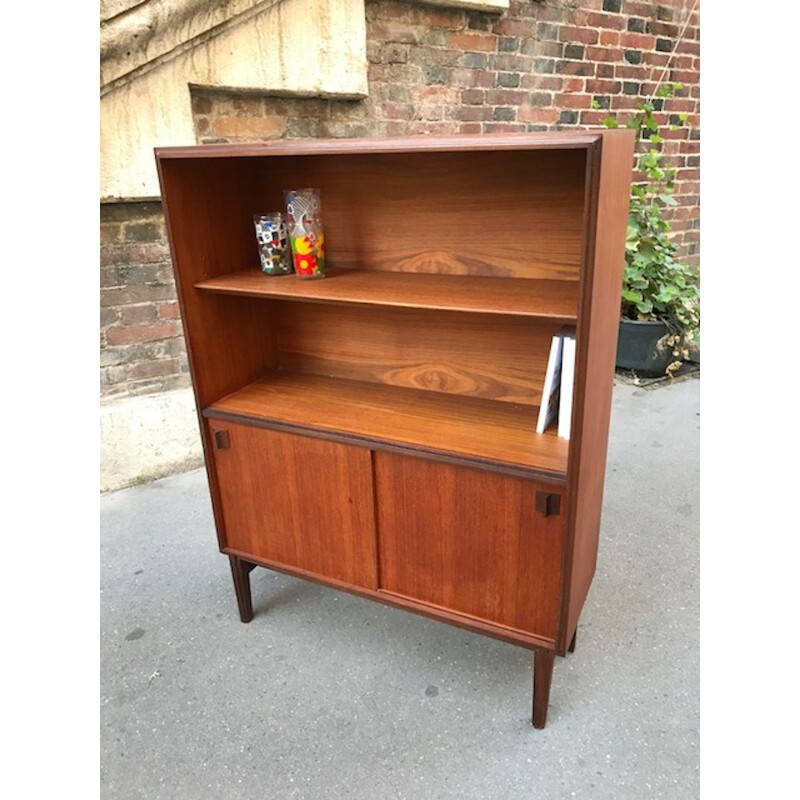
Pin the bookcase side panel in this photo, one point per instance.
(598, 325)
(229, 341)
(209, 206)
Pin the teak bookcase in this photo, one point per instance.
(375, 430)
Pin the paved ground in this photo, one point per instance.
(325, 695)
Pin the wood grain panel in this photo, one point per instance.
(552, 300)
(473, 429)
(299, 501)
(511, 214)
(596, 352)
(469, 542)
(497, 358)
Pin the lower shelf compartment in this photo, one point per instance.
(469, 430)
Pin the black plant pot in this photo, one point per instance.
(640, 347)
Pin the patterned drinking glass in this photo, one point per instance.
(273, 243)
(305, 232)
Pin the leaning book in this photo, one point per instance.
(548, 408)
(567, 383)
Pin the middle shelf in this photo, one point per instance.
(471, 430)
(554, 300)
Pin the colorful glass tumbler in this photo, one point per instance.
(305, 232)
(273, 243)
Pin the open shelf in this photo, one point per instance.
(555, 300)
(465, 428)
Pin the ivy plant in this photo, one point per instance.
(656, 286)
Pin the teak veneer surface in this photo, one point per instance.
(546, 299)
(492, 356)
(300, 501)
(475, 544)
(475, 429)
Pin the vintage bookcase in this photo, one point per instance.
(375, 430)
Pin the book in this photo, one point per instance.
(548, 408)
(567, 384)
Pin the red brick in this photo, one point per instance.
(638, 9)
(583, 35)
(469, 127)
(505, 97)
(610, 21)
(141, 333)
(547, 83)
(398, 111)
(637, 41)
(609, 38)
(625, 101)
(138, 314)
(679, 104)
(688, 47)
(472, 42)
(153, 369)
(574, 84)
(473, 113)
(630, 72)
(471, 78)
(656, 59)
(603, 86)
(573, 100)
(603, 54)
(542, 115)
(442, 18)
(169, 311)
(514, 27)
(593, 117)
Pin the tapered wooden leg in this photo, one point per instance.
(241, 582)
(542, 676)
(571, 647)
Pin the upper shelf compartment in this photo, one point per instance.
(554, 300)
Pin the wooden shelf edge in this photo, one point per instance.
(251, 283)
(501, 632)
(550, 140)
(346, 437)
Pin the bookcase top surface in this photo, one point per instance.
(547, 140)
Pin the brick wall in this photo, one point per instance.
(542, 65)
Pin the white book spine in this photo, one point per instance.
(548, 407)
(567, 384)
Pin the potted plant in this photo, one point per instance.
(660, 310)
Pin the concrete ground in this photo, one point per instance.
(325, 695)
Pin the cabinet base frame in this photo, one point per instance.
(544, 650)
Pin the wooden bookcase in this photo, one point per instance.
(375, 430)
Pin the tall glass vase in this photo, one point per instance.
(305, 232)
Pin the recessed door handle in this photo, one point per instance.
(548, 504)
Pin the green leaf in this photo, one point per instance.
(645, 307)
(667, 200)
(610, 122)
(631, 296)
(656, 139)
